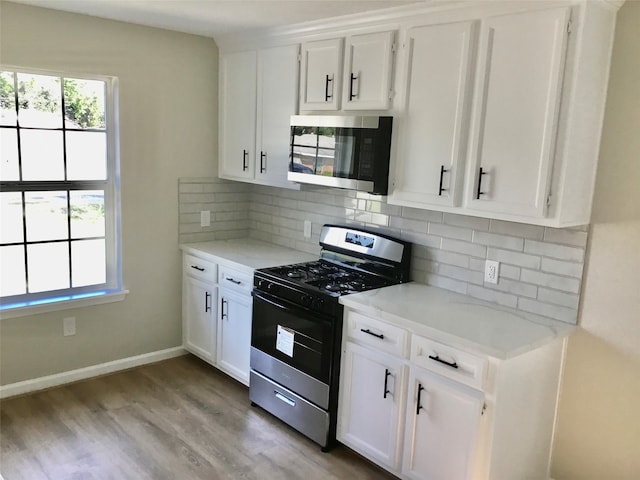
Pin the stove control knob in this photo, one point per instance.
(273, 288)
(307, 300)
(262, 284)
(318, 303)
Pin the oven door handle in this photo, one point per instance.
(287, 307)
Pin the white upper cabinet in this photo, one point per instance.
(237, 126)
(433, 127)
(367, 72)
(321, 74)
(520, 71)
(277, 101)
(366, 81)
(258, 95)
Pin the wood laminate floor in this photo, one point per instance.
(178, 419)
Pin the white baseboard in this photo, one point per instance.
(49, 381)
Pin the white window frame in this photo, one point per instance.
(113, 290)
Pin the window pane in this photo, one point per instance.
(12, 276)
(86, 155)
(42, 155)
(39, 101)
(84, 103)
(11, 214)
(46, 214)
(9, 151)
(7, 99)
(87, 213)
(88, 262)
(48, 265)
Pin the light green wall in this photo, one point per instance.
(168, 122)
(598, 433)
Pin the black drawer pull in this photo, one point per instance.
(442, 172)
(386, 378)
(418, 406)
(223, 314)
(448, 364)
(200, 269)
(229, 279)
(207, 305)
(479, 192)
(377, 335)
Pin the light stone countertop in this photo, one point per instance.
(247, 254)
(458, 320)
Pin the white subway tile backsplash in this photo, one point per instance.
(500, 241)
(474, 223)
(534, 232)
(572, 269)
(554, 250)
(565, 236)
(450, 231)
(540, 268)
(464, 247)
(556, 282)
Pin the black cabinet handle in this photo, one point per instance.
(418, 406)
(479, 191)
(448, 364)
(351, 94)
(263, 165)
(245, 155)
(442, 172)
(377, 335)
(200, 269)
(327, 97)
(207, 304)
(386, 378)
(223, 314)
(233, 280)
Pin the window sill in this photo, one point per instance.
(61, 303)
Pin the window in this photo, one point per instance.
(59, 203)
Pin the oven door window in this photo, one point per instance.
(312, 335)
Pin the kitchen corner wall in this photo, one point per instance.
(540, 268)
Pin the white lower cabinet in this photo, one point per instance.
(373, 389)
(441, 427)
(234, 334)
(424, 410)
(216, 315)
(199, 317)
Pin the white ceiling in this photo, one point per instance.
(216, 17)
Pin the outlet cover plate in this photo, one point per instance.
(491, 271)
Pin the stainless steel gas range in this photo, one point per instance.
(297, 325)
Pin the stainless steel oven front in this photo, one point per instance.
(294, 351)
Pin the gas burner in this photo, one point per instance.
(335, 287)
(296, 274)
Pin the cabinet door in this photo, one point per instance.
(237, 115)
(520, 67)
(443, 419)
(367, 76)
(432, 136)
(199, 318)
(320, 75)
(371, 390)
(277, 101)
(234, 334)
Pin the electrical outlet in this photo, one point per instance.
(205, 218)
(69, 326)
(307, 229)
(491, 271)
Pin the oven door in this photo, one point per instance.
(295, 336)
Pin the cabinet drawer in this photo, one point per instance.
(199, 268)
(236, 280)
(448, 361)
(380, 335)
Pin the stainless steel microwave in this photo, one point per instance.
(349, 152)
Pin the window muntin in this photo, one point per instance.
(59, 199)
